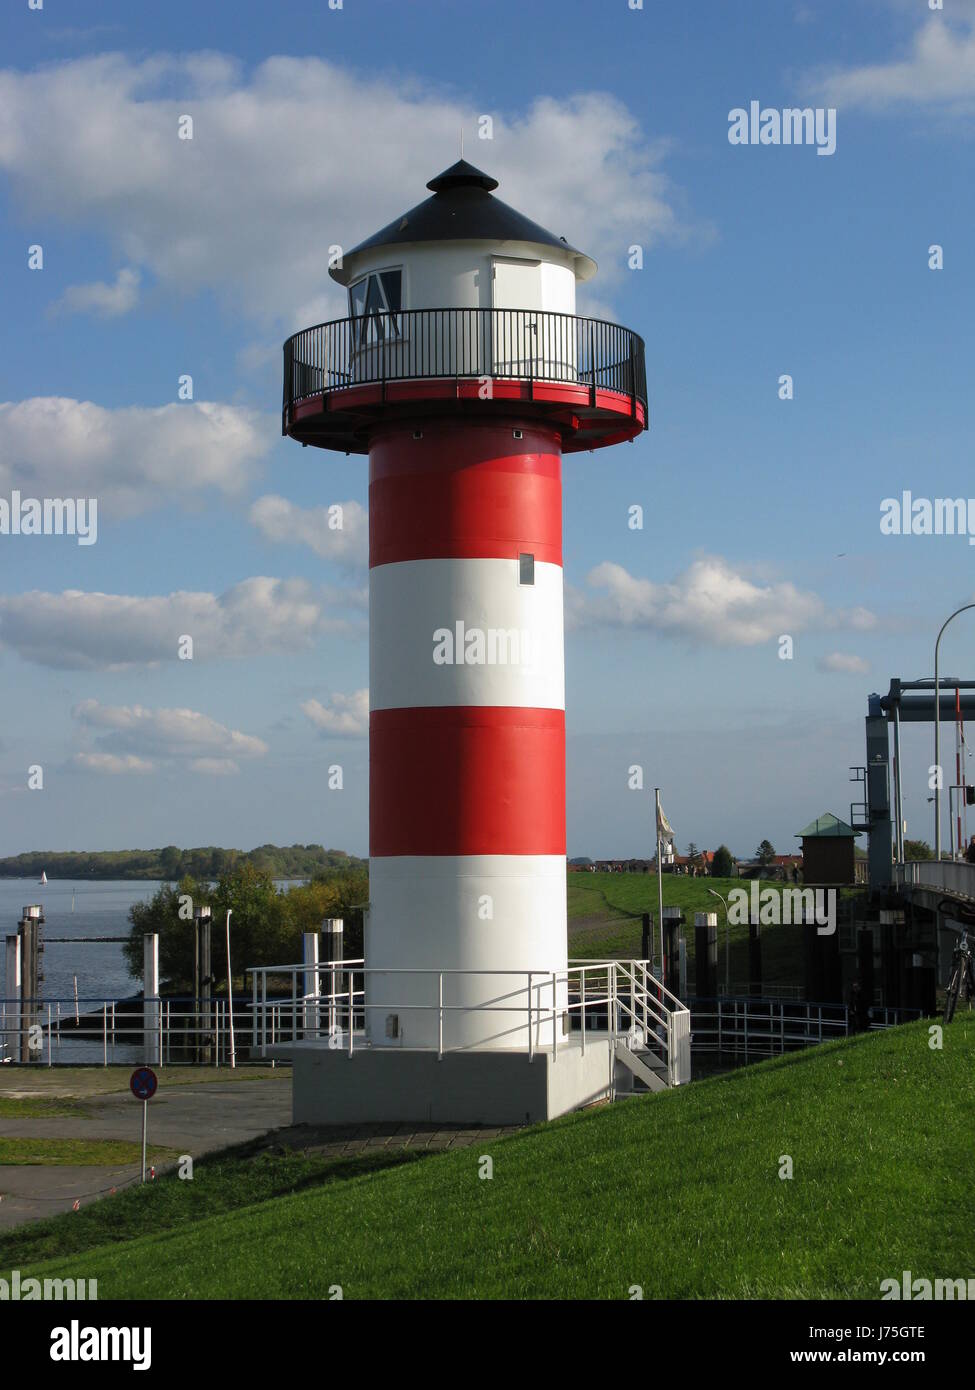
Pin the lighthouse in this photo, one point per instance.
(464, 373)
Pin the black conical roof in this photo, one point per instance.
(462, 175)
(463, 208)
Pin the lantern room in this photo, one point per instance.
(463, 298)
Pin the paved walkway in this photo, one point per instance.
(194, 1111)
(213, 1111)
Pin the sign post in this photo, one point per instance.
(142, 1084)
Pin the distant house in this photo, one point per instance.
(621, 866)
(681, 864)
(829, 851)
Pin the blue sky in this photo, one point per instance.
(610, 125)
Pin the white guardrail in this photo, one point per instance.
(157, 1030)
(621, 999)
(956, 878)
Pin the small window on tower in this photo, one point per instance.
(374, 307)
(526, 569)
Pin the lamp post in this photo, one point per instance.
(937, 734)
(230, 996)
(727, 934)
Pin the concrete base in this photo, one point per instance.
(474, 1088)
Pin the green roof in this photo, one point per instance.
(828, 825)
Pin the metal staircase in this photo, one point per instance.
(649, 1027)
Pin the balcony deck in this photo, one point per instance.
(585, 376)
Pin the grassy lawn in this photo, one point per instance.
(40, 1084)
(33, 1107)
(679, 1193)
(224, 1182)
(605, 912)
(111, 1153)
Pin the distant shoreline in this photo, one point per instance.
(172, 864)
(125, 878)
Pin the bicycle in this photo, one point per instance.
(962, 975)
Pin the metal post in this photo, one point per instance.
(531, 1036)
(230, 997)
(310, 984)
(582, 1000)
(333, 929)
(898, 787)
(660, 877)
(13, 989)
(29, 928)
(151, 1021)
(145, 1117)
(937, 734)
(201, 979)
(555, 1021)
(440, 1012)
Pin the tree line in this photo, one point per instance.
(172, 863)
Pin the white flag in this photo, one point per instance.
(664, 828)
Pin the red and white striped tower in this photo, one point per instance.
(464, 372)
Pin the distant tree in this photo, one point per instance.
(332, 893)
(692, 852)
(917, 849)
(171, 862)
(266, 925)
(723, 865)
(160, 914)
(765, 853)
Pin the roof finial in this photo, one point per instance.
(462, 142)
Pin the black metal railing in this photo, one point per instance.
(414, 344)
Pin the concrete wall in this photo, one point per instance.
(476, 1088)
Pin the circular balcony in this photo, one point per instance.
(585, 376)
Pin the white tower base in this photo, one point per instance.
(487, 1087)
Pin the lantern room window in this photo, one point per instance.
(374, 306)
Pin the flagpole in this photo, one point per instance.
(660, 886)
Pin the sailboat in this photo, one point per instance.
(43, 876)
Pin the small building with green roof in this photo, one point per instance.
(829, 850)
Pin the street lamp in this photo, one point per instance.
(727, 933)
(937, 736)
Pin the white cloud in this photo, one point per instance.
(845, 663)
(249, 206)
(937, 71)
(134, 458)
(124, 730)
(215, 767)
(103, 300)
(709, 602)
(94, 631)
(280, 520)
(346, 716)
(111, 764)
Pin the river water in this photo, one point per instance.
(100, 909)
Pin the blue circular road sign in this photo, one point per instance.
(143, 1083)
